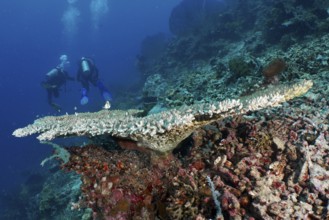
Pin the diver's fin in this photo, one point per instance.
(84, 100)
(56, 107)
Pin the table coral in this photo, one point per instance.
(163, 131)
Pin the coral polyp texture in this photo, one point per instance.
(163, 131)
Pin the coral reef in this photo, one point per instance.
(47, 195)
(121, 184)
(273, 69)
(270, 164)
(253, 30)
(267, 164)
(163, 131)
(240, 67)
(214, 149)
(60, 153)
(55, 199)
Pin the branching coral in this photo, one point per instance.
(161, 132)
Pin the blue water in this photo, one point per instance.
(34, 35)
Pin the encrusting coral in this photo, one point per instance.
(163, 131)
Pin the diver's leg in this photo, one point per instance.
(53, 93)
(104, 91)
(56, 93)
(49, 96)
(84, 93)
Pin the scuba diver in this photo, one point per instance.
(88, 73)
(54, 80)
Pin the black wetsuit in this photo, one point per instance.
(90, 76)
(54, 81)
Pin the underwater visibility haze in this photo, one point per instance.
(175, 109)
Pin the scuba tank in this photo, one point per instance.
(85, 66)
(51, 79)
(52, 73)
